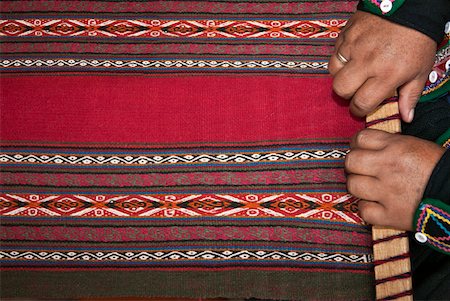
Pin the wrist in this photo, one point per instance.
(427, 17)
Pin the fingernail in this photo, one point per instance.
(411, 115)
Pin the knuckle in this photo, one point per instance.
(360, 138)
(332, 68)
(363, 212)
(361, 106)
(348, 162)
(340, 89)
(348, 35)
(351, 185)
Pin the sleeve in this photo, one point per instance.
(432, 217)
(429, 17)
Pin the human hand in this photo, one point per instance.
(390, 173)
(383, 58)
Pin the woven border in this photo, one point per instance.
(390, 247)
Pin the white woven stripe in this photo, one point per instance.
(185, 255)
(171, 159)
(163, 64)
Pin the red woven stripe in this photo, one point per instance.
(393, 278)
(392, 117)
(390, 100)
(395, 258)
(399, 295)
(384, 239)
(170, 109)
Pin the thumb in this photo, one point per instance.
(409, 95)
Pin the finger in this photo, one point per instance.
(372, 212)
(363, 162)
(335, 64)
(340, 40)
(341, 37)
(370, 95)
(364, 187)
(349, 79)
(409, 94)
(370, 139)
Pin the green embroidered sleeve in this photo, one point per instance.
(382, 7)
(432, 225)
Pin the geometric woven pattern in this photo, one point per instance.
(187, 149)
(166, 64)
(172, 28)
(293, 154)
(337, 207)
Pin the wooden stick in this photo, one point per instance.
(391, 247)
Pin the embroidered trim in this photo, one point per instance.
(432, 219)
(444, 139)
(375, 6)
(441, 70)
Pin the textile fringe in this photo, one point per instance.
(391, 248)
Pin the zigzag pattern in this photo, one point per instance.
(163, 255)
(164, 64)
(171, 159)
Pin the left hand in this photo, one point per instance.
(389, 172)
(383, 58)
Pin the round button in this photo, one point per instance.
(386, 6)
(420, 237)
(433, 77)
(447, 27)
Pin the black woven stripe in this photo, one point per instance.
(218, 244)
(199, 169)
(91, 265)
(187, 241)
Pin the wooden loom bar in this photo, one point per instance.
(391, 247)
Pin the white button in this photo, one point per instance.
(386, 6)
(420, 237)
(447, 27)
(447, 65)
(433, 77)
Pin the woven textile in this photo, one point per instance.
(186, 149)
